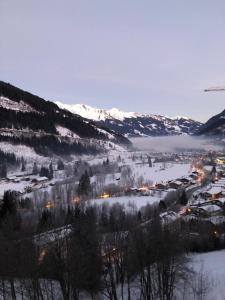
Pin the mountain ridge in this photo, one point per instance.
(133, 124)
(31, 120)
(214, 126)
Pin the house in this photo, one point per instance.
(220, 160)
(184, 180)
(219, 202)
(195, 211)
(143, 191)
(194, 176)
(131, 191)
(40, 180)
(161, 186)
(214, 193)
(175, 184)
(212, 209)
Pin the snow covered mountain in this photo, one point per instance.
(29, 120)
(132, 124)
(96, 114)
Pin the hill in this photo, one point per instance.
(214, 126)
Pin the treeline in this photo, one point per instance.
(48, 145)
(7, 160)
(47, 122)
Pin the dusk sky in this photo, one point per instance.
(136, 55)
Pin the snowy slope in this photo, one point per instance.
(96, 114)
(134, 124)
(41, 125)
(17, 106)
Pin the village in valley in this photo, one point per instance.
(184, 186)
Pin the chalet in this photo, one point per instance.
(220, 182)
(211, 209)
(214, 193)
(184, 180)
(219, 202)
(40, 180)
(196, 211)
(143, 191)
(220, 160)
(161, 186)
(175, 184)
(11, 178)
(194, 176)
(131, 191)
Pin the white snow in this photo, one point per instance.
(158, 174)
(211, 208)
(21, 150)
(129, 202)
(13, 186)
(96, 114)
(12, 105)
(66, 132)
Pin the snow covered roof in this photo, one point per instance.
(211, 208)
(177, 182)
(214, 190)
(39, 179)
(222, 200)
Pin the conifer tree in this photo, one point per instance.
(84, 186)
(23, 165)
(183, 198)
(51, 172)
(60, 165)
(35, 169)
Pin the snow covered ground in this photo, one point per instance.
(159, 173)
(209, 276)
(14, 186)
(21, 150)
(132, 202)
(63, 131)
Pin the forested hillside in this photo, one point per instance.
(30, 120)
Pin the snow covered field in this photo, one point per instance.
(131, 202)
(14, 186)
(158, 173)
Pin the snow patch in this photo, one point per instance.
(63, 131)
(21, 150)
(17, 106)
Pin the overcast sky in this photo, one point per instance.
(136, 55)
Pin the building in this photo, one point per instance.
(214, 193)
(220, 160)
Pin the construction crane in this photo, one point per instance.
(215, 89)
